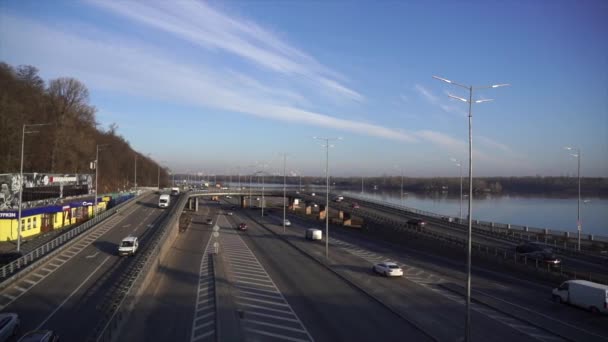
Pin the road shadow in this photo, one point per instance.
(106, 247)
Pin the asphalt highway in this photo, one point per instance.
(280, 292)
(166, 310)
(69, 292)
(505, 304)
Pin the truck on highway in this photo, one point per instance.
(164, 201)
(175, 191)
(314, 234)
(582, 293)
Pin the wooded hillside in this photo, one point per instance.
(68, 143)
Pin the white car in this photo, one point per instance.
(9, 325)
(287, 222)
(389, 269)
(230, 213)
(128, 246)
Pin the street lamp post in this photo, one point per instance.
(327, 140)
(361, 184)
(135, 177)
(579, 224)
(97, 175)
(21, 183)
(284, 187)
(467, 334)
(460, 166)
(401, 168)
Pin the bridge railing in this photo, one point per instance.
(558, 239)
(503, 254)
(12, 271)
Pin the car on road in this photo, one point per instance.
(9, 325)
(313, 194)
(582, 293)
(417, 222)
(40, 336)
(230, 213)
(388, 269)
(242, 226)
(355, 205)
(286, 222)
(539, 252)
(209, 221)
(128, 246)
(314, 234)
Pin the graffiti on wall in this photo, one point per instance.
(9, 187)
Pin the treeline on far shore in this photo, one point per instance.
(559, 186)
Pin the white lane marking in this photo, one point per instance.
(31, 282)
(275, 325)
(9, 296)
(73, 293)
(261, 332)
(243, 266)
(204, 316)
(204, 283)
(200, 337)
(92, 255)
(19, 288)
(262, 301)
(283, 318)
(252, 293)
(265, 308)
(126, 225)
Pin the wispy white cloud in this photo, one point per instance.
(198, 23)
(494, 144)
(439, 102)
(426, 94)
(126, 67)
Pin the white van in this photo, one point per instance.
(175, 191)
(128, 246)
(314, 234)
(164, 200)
(583, 293)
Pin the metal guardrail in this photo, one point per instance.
(126, 293)
(30, 259)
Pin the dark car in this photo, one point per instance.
(243, 226)
(545, 257)
(209, 221)
(416, 222)
(537, 251)
(7, 258)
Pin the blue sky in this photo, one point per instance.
(214, 86)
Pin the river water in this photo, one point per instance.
(533, 211)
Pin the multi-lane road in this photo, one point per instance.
(459, 233)
(266, 284)
(69, 293)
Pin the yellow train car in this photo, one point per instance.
(39, 220)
